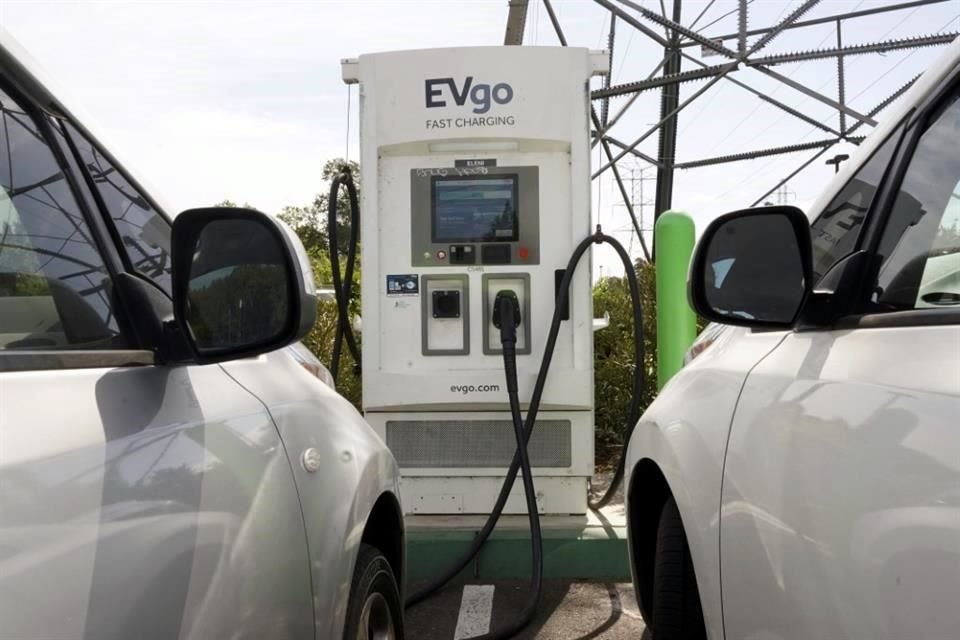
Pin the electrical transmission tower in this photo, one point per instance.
(744, 48)
(640, 202)
(784, 195)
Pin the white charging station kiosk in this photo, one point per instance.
(475, 175)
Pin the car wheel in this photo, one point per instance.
(374, 611)
(676, 612)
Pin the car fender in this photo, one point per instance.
(684, 434)
(335, 534)
(350, 469)
(691, 463)
(378, 477)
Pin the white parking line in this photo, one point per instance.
(476, 608)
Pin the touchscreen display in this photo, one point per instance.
(475, 209)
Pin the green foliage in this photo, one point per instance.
(320, 342)
(231, 203)
(310, 224)
(23, 284)
(613, 354)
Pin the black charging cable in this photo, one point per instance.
(633, 415)
(506, 318)
(639, 369)
(343, 287)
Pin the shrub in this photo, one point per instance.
(613, 354)
(320, 342)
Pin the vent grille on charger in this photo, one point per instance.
(475, 443)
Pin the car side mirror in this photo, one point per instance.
(242, 283)
(753, 268)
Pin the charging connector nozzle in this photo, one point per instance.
(506, 315)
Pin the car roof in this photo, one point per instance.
(946, 65)
(26, 74)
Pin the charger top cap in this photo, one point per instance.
(474, 92)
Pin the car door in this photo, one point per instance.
(136, 500)
(841, 495)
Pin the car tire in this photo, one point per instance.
(374, 611)
(676, 613)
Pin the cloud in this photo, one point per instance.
(205, 155)
(225, 99)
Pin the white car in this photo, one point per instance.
(167, 468)
(799, 478)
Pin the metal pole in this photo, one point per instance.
(623, 146)
(633, 22)
(611, 39)
(873, 112)
(632, 99)
(516, 20)
(627, 200)
(841, 89)
(830, 18)
(652, 130)
(766, 98)
(742, 28)
(603, 142)
(816, 95)
(555, 22)
(641, 198)
(669, 100)
(864, 48)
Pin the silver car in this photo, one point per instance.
(167, 468)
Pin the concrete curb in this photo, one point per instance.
(591, 551)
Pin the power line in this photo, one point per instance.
(824, 84)
(705, 9)
(744, 57)
(890, 70)
(728, 13)
(770, 166)
(776, 89)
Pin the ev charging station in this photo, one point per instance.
(476, 180)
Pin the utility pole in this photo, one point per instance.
(669, 100)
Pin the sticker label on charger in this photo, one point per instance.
(403, 284)
(479, 162)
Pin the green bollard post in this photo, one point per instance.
(673, 239)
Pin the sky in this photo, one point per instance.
(243, 100)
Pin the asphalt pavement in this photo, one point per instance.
(568, 611)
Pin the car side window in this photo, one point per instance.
(55, 291)
(835, 233)
(144, 233)
(920, 246)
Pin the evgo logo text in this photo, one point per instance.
(482, 96)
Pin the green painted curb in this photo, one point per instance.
(590, 553)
